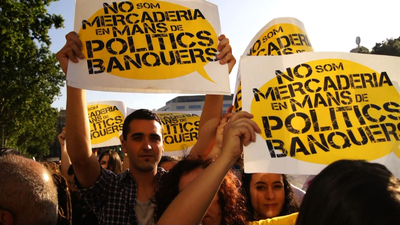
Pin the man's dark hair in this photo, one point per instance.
(140, 114)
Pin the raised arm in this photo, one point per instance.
(212, 110)
(86, 166)
(216, 148)
(200, 193)
(65, 161)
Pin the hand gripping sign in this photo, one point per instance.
(281, 36)
(106, 120)
(316, 108)
(148, 46)
(180, 131)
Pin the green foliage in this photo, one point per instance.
(30, 77)
(389, 47)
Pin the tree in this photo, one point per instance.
(30, 77)
(389, 47)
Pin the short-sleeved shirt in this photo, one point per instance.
(112, 197)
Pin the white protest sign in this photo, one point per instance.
(316, 108)
(281, 36)
(148, 46)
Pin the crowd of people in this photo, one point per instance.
(208, 186)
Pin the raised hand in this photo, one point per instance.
(225, 52)
(71, 50)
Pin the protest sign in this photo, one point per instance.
(316, 108)
(148, 46)
(106, 120)
(281, 36)
(180, 131)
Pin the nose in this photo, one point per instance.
(146, 145)
(270, 194)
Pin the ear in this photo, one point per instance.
(123, 143)
(6, 218)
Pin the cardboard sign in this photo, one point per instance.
(316, 108)
(281, 36)
(148, 46)
(106, 120)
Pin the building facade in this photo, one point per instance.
(192, 103)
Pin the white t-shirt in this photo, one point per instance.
(144, 212)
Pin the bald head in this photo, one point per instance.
(27, 191)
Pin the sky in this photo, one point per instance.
(332, 26)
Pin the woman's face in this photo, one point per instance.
(267, 195)
(104, 161)
(214, 214)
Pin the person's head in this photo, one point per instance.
(168, 162)
(352, 192)
(228, 206)
(110, 160)
(27, 192)
(268, 195)
(143, 140)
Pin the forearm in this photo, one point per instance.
(209, 121)
(65, 161)
(77, 124)
(212, 111)
(85, 164)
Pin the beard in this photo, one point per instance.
(145, 166)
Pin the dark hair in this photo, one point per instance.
(166, 158)
(114, 161)
(352, 192)
(289, 206)
(231, 200)
(9, 151)
(140, 114)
